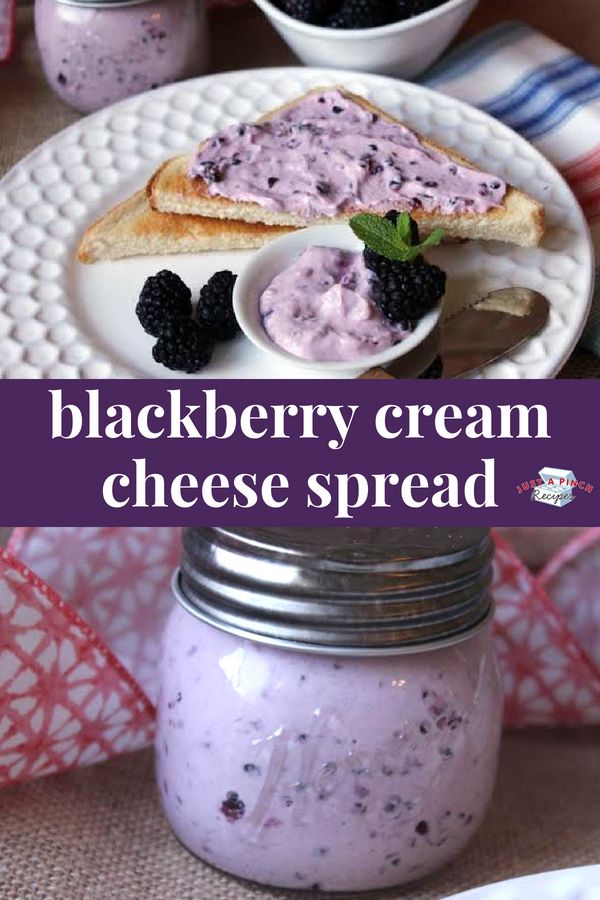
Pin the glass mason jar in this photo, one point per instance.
(95, 52)
(330, 708)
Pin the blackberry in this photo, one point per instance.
(163, 299)
(183, 346)
(302, 10)
(406, 286)
(406, 291)
(215, 309)
(210, 171)
(407, 9)
(233, 808)
(359, 14)
(312, 11)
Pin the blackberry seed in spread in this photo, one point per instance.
(327, 154)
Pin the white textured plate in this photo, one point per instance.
(568, 884)
(59, 319)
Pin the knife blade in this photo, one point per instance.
(476, 335)
(489, 329)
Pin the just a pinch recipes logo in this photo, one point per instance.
(555, 487)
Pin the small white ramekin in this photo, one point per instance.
(276, 256)
(404, 49)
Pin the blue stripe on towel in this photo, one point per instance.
(562, 110)
(467, 56)
(527, 90)
(547, 97)
(543, 101)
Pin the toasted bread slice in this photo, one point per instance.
(133, 228)
(520, 219)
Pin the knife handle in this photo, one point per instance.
(434, 370)
(377, 373)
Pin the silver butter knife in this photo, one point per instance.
(475, 336)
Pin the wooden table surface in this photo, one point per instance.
(576, 23)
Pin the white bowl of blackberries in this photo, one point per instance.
(392, 37)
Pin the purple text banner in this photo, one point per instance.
(191, 452)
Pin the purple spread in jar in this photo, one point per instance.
(321, 308)
(95, 53)
(296, 769)
(327, 154)
(354, 745)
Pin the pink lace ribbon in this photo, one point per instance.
(547, 630)
(82, 610)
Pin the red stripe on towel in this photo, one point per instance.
(583, 176)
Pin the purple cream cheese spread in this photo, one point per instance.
(305, 770)
(97, 53)
(327, 154)
(321, 308)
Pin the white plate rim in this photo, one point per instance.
(487, 891)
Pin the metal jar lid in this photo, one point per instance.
(361, 591)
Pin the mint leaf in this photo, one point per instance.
(377, 233)
(403, 228)
(432, 240)
(392, 242)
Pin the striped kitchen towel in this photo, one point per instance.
(547, 94)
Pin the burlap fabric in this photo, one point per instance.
(29, 111)
(99, 834)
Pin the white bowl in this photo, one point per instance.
(276, 256)
(404, 49)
